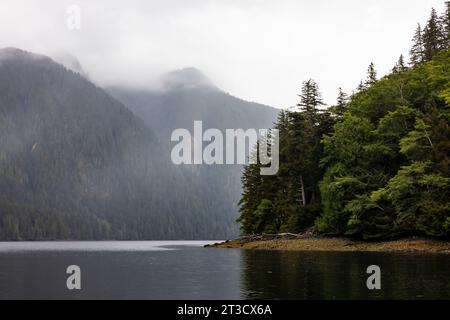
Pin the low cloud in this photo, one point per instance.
(257, 50)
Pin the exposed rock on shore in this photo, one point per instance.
(311, 242)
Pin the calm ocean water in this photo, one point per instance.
(186, 270)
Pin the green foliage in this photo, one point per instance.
(387, 158)
(387, 162)
(419, 198)
(417, 143)
(266, 221)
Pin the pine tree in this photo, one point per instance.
(310, 97)
(360, 86)
(341, 104)
(417, 52)
(445, 26)
(432, 36)
(400, 65)
(371, 75)
(308, 121)
(251, 195)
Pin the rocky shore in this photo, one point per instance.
(310, 242)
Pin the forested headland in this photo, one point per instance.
(372, 166)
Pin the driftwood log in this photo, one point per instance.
(310, 233)
(282, 236)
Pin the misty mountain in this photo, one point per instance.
(189, 95)
(70, 62)
(186, 96)
(187, 78)
(75, 163)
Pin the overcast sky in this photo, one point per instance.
(254, 49)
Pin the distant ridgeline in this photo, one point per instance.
(375, 165)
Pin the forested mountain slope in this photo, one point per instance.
(77, 164)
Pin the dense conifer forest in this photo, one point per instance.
(374, 165)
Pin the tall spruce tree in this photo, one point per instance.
(360, 86)
(310, 101)
(432, 36)
(371, 75)
(445, 26)
(310, 97)
(400, 65)
(417, 52)
(252, 195)
(341, 103)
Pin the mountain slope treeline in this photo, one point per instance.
(373, 166)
